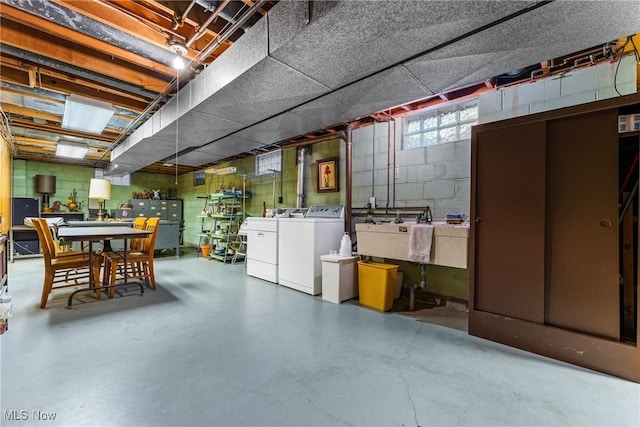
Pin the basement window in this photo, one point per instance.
(438, 126)
(269, 162)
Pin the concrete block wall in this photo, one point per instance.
(437, 176)
(574, 87)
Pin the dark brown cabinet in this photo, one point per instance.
(509, 198)
(545, 249)
(582, 224)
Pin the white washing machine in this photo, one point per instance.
(262, 243)
(302, 241)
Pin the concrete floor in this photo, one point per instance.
(214, 347)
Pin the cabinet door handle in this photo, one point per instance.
(260, 234)
(605, 222)
(478, 220)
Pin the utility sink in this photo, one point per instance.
(387, 240)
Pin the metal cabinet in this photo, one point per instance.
(163, 209)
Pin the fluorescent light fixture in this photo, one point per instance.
(222, 171)
(86, 114)
(72, 151)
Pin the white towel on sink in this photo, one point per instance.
(420, 237)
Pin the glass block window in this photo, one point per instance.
(268, 162)
(198, 178)
(438, 126)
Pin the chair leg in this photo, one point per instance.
(96, 280)
(151, 275)
(46, 288)
(112, 280)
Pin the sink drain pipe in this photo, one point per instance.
(420, 286)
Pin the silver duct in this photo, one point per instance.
(300, 182)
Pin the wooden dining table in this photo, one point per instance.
(103, 234)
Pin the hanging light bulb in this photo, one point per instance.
(180, 49)
(179, 63)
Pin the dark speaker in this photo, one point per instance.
(22, 207)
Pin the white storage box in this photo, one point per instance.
(339, 278)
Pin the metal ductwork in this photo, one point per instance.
(288, 76)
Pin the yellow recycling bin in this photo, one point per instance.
(377, 284)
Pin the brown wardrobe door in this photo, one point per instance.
(582, 224)
(509, 184)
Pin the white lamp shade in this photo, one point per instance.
(100, 189)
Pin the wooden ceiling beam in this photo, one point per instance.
(66, 87)
(41, 147)
(158, 12)
(40, 43)
(149, 20)
(26, 19)
(26, 67)
(57, 130)
(29, 112)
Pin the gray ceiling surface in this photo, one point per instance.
(287, 76)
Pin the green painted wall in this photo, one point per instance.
(69, 177)
(261, 187)
(445, 281)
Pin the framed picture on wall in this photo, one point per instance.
(327, 175)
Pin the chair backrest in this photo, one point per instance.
(139, 223)
(46, 239)
(149, 242)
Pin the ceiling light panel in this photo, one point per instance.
(86, 114)
(71, 151)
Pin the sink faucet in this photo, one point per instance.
(425, 216)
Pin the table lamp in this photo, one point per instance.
(45, 185)
(100, 189)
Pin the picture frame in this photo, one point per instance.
(125, 206)
(327, 175)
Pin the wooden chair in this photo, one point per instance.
(139, 224)
(63, 270)
(139, 261)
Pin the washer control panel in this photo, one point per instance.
(325, 211)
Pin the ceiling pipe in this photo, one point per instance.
(228, 16)
(213, 46)
(348, 171)
(301, 151)
(203, 27)
(179, 20)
